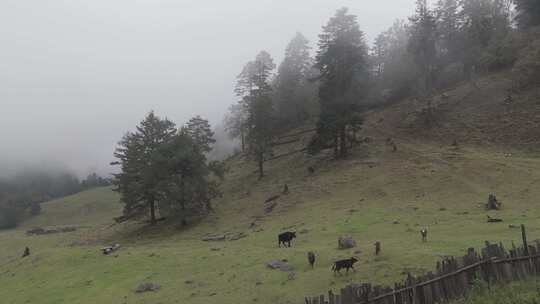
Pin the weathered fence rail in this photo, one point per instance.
(452, 279)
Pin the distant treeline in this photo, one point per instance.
(22, 194)
(438, 46)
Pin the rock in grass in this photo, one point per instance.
(290, 276)
(346, 242)
(237, 236)
(279, 265)
(213, 238)
(144, 287)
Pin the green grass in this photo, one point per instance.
(342, 198)
(523, 292)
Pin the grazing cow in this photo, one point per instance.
(348, 263)
(311, 258)
(26, 252)
(423, 232)
(377, 248)
(286, 237)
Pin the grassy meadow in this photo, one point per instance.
(376, 195)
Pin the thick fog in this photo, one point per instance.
(76, 75)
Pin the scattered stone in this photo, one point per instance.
(358, 252)
(214, 238)
(252, 225)
(212, 294)
(237, 236)
(144, 287)
(42, 231)
(493, 220)
(395, 222)
(110, 249)
(303, 231)
(346, 242)
(291, 275)
(279, 265)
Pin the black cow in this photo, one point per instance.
(286, 237)
(423, 232)
(348, 263)
(311, 258)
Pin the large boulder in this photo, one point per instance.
(346, 242)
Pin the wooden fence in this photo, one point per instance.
(452, 279)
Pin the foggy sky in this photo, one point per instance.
(76, 75)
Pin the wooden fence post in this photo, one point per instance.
(524, 236)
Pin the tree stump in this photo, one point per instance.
(492, 203)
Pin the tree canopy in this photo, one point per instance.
(163, 168)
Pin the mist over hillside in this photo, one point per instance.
(77, 75)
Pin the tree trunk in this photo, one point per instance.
(243, 140)
(152, 211)
(261, 164)
(343, 142)
(336, 150)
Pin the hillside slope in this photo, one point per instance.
(486, 112)
(374, 195)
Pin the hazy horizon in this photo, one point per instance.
(75, 76)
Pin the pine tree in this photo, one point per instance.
(528, 13)
(185, 187)
(260, 111)
(167, 168)
(422, 46)
(200, 131)
(483, 22)
(342, 62)
(292, 88)
(139, 182)
(235, 122)
(447, 16)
